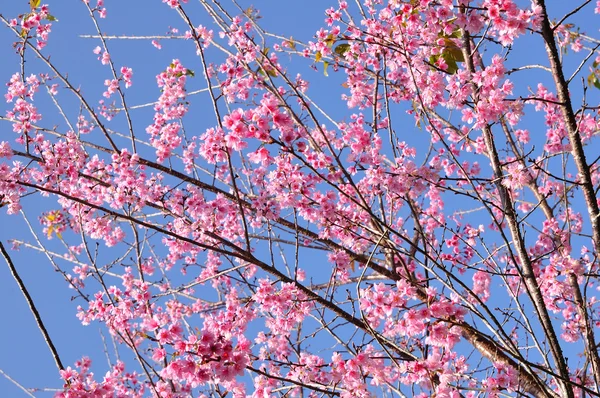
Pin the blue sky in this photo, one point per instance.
(23, 353)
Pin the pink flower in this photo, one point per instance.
(105, 59)
(126, 74)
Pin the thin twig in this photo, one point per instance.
(32, 307)
(16, 383)
(126, 37)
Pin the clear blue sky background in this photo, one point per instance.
(23, 353)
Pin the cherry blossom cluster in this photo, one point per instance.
(170, 107)
(21, 91)
(80, 383)
(36, 24)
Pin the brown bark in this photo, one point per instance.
(562, 89)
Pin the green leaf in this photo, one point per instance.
(188, 72)
(453, 51)
(34, 4)
(457, 34)
(330, 40)
(266, 72)
(341, 49)
(325, 66)
(451, 62)
(449, 59)
(51, 18)
(318, 56)
(593, 80)
(291, 43)
(451, 54)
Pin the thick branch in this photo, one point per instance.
(585, 177)
(526, 271)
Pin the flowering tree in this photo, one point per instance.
(437, 238)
